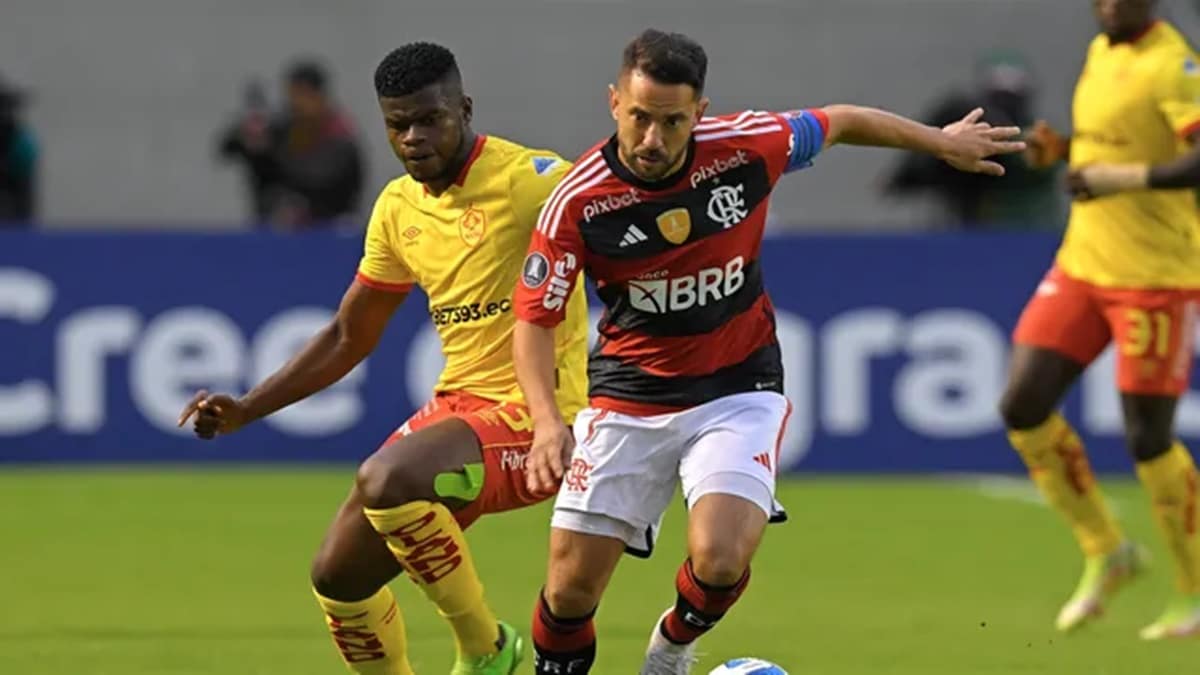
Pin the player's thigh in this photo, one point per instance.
(1061, 330)
(1064, 316)
(728, 473)
(1154, 335)
(724, 532)
(623, 470)
(411, 466)
(505, 433)
(1038, 380)
(352, 562)
(732, 448)
(580, 567)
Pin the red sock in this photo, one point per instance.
(562, 646)
(699, 606)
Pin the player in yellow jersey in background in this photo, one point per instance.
(458, 226)
(1128, 272)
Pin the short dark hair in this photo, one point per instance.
(308, 73)
(415, 66)
(669, 58)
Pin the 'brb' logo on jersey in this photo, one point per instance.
(609, 203)
(719, 166)
(556, 292)
(712, 284)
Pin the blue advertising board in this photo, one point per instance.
(895, 348)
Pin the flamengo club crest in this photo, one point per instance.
(727, 206)
(472, 225)
(675, 225)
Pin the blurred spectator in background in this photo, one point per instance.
(304, 166)
(18, 160)
(1025, 197)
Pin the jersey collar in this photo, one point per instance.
(480, 139)
(462, 173)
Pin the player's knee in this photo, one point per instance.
(384, 482)
(1145, 442)
(332, 582)
(572, 588)
(1022, 408)
(573, 598)
(720, 563)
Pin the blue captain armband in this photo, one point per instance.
(808, 137)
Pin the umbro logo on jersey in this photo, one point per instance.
(633, 236)
(543, 165)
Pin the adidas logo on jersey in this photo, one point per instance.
(633, 236)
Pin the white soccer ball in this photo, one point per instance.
(748, 666)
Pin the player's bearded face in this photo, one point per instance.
(654, 123)
(426, 130)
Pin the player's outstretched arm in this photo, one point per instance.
(534, 360)
(966, 145)
(326, 358)
(1098, 180)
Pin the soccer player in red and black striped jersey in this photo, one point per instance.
(686, 381)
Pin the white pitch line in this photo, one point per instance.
(1008, 488)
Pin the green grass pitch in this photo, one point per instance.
(204, 572)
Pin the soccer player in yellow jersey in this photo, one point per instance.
(1128, 272)
(457, 225)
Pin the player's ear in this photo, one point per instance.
(468, 108)
(701, 107)
(614, 100)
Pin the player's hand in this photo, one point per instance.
(1101, 180)
(973, 141)
(214, 414)
(1045, 147)
(548, 457)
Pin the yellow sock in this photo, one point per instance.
(430, 545)
(1059, 467)
(369, 633)
(1171, 481)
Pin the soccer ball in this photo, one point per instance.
(746, 666)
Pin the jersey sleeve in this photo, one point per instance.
(552, 264)
(381, 267)
(531, 184)
(1178, 95)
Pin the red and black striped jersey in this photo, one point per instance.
(675, 262)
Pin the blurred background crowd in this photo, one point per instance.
(223, 115)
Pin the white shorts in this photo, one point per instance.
(624, 469)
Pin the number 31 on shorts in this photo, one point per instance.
(1148, 333)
